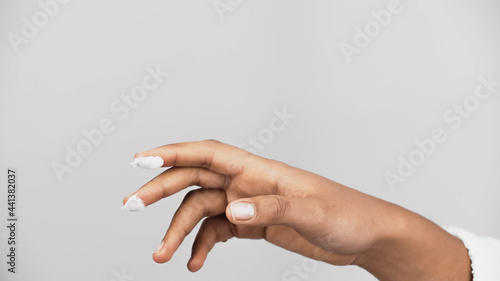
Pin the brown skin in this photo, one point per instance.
(299, 211)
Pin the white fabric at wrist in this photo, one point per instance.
(484, 253)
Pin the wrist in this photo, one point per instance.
(410, 247)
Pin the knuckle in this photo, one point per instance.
(212, 194)
(234, 167)
(190, 196)
(193, 202)
(198, 201)
(208, 199)
(195, 198)
(226, 182)
(207, 162)
(193, 177)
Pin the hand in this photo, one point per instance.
(247, 196)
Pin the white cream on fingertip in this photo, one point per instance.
(150, 162)
(133, 204)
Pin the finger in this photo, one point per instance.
(175, 179)
(212, 230)
(210, 154)
(196, 205)
(304, 215)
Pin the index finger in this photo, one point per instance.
(209, 154)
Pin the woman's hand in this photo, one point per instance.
(247, 196)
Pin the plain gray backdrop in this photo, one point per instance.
(229, 72)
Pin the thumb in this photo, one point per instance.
(298, 213)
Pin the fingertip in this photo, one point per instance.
(126, 198)
(195, 263)
(166, 250)
(133, 203)
(240, 211)
(138, 155)
(161, 256)
(148, 162)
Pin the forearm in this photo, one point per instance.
(413, 248)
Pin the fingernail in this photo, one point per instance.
(242, 211)
(159, 247)
(133, 204)
(150, 162)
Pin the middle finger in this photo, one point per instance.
(196, 205)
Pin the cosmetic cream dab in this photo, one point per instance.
(150, 162)
(133, 204)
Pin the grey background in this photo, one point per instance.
(352, 120)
